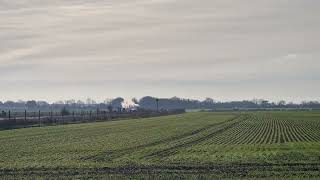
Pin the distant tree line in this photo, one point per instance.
(209, 103)
(153, 103)
(89, 104)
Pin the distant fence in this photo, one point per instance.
(11, 119)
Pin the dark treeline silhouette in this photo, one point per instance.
(180, 103)
(32, 105)
(151, 103)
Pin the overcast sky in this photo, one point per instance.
(224, 49)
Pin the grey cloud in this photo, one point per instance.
(176, 43)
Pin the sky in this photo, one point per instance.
(223, 49)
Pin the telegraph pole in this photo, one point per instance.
(157, 101)
(39, 117)
(25, 117)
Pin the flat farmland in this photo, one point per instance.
(193, 145)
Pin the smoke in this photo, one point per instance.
(128, 103)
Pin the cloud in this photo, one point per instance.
(291, 56)
(221, 43)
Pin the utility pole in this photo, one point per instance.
(51, 115)
(39, 118)
(25, 117)
(157, 100)
(97, 114)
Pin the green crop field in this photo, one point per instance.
(283, 144)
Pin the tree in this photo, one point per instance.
(31, 104)
(70, 102)
(65, 111)
(135, 100)
(107, 101)
(110, 108)
(10, 104)
(282, 103)
(90, 101)
(3, 114)
(59, 102)
(117, 102)
(42, 103)
(80, 103)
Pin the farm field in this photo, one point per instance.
(191, 145)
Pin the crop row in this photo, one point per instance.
(269, 129)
